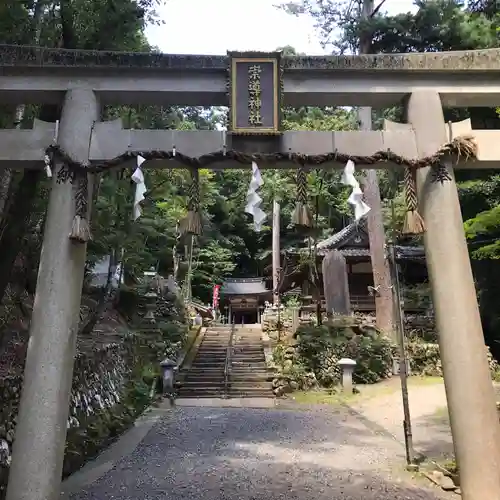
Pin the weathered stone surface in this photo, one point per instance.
(470, 60)
(96, 405)
(335, 284)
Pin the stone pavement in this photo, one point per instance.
(224, 453)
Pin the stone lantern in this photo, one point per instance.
(168, 368)
(347, 366)
(151, 297)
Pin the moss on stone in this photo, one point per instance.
(470, 60)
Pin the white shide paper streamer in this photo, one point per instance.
(140, 188)
(254, 200)
(356, 197)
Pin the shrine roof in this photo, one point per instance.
(244, 286)
(352, 241)
(402, 252)
(470, 60)
(346, 242)
(344, 236)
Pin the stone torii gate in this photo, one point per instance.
(83, 81)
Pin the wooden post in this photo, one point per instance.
(380, 265)
(469, 389)
(276, 252)
(37, 460)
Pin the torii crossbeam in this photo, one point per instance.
(83, 81)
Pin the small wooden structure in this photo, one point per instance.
(353, 243)
(244, 299)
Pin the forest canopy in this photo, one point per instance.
(229, 246)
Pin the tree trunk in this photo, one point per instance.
(382, 282)
(15, 223)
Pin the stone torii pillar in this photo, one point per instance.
(469, 390)
(37, 461)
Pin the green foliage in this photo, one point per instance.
(291, 374)
(425, 359)
(480, 200)
(320, 348)
(436, 25)
(229, 246)
(418, 295)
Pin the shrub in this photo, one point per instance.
(425, 359)
(319, 348)
(291, 374)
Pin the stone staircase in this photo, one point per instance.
(205, 378)
(249, 376)
(247, 373)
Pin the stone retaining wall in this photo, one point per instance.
(99, 410)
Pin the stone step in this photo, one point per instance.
(250, 377)
(196, 376)
(216, 349)
(214, 363)
(247, 358)
(248, 352)
(244, 386)
(209, 361)
(200, 394)
(208, 352)
(202, 371)
(209, 355)
(248, 366)
(219, 382)
(246, 371)
(251, 394)
(208, 367)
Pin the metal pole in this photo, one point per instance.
(403, 372)
(276, 252)
(403, 366)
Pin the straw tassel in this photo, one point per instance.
(80, 230)
(192, 224)
(413, 222)
(302, 214)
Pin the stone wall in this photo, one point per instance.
(108, 393)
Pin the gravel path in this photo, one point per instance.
(250, 454)
(431, 430)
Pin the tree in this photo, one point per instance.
(328, 15)
(92, 24)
